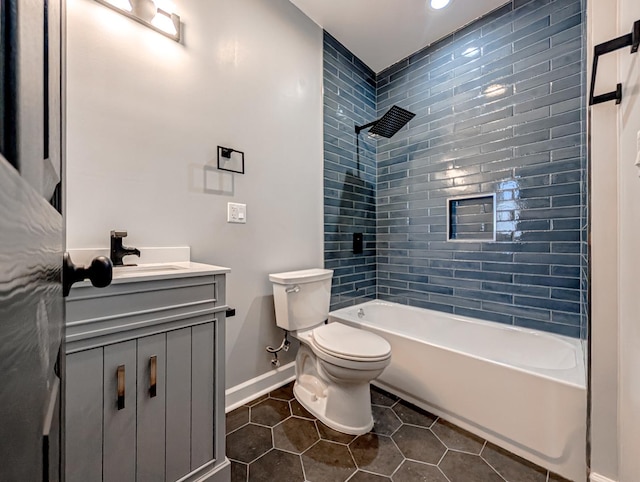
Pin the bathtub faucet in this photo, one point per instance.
(360, 313)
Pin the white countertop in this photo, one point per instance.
(157, 271)
(153, 264)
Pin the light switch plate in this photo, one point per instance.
(236, 213)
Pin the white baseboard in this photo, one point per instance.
(599, 478)
(265, 383)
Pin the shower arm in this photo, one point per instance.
(360, 128)
(631, 39)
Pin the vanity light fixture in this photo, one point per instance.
(164, 22)
(439, 4)
(121, 4)
(148, 14)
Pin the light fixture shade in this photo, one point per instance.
(438, 4)
(144, 9)
(164, 22)
(121, 4)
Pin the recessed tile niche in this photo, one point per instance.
(471, 218)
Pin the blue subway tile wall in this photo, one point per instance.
(349, 174)
(585, 277)
(499, 109)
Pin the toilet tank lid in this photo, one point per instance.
(302, 276)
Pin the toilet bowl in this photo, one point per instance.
(333, 384)
(335, 362)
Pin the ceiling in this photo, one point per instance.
(382, 32)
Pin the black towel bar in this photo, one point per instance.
(631, 39)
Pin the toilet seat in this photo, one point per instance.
(347, 343)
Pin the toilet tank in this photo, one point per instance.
(301, 298)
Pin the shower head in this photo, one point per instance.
(390, 123)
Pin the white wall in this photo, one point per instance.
(629, 301)
(145, 115)
(615, 263)
(602, 26)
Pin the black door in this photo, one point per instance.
(31, 241)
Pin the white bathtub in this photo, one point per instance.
(518, 388)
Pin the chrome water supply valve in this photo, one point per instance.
(283, 346)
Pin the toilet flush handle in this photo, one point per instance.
(293, 289)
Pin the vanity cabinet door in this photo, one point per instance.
(119, 408)
(178, 436)
(84, 416)
(202, 394)
(152, 362)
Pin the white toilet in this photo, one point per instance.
(335, 362)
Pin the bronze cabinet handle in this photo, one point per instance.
(121, 384)
(153, 375)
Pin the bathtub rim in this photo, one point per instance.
(575, 343)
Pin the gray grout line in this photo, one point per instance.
(259, 424)
(401, 453)
(443, 455)
(280, 422)
(445, 475)
(352, 475)
(428, 427)
(404, 459)
(260, 456)
(352, 457)
(494, 469)
(304, 472)
(273, 438)
(311, 446)
(235, 430)
(440, 440)
(454, 449)
(421, 462)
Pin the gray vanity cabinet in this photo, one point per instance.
(96, 429)
(178, 403)
(119, 422)
(141, 400)
(151, 410)
(84, 407)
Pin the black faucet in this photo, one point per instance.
(118, 251)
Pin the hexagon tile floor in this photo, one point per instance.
(274, 439)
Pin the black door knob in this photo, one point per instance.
(99, 272)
